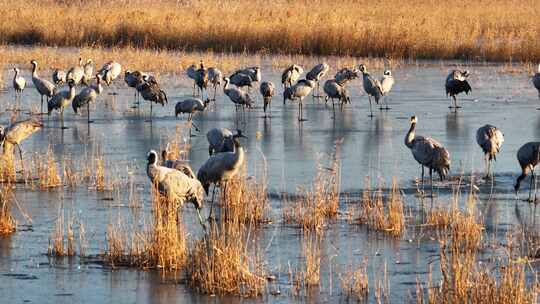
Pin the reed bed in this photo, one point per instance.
(223, 262)
(47, 171)
(246, 199)
(7, 222)
(62, 242)
(355, 284)
(380, 215)
(464, 280)
(159, 245)
(499, 30)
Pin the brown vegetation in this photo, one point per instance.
(379, 215)
(500, 30)
(223, 262)
(7, 222)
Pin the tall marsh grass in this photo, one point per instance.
(492, 30)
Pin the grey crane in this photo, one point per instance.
(87, 96)
(253, 72)
(175, 185)
(88, 74)
(220, 140)
(345, 75)
(300, 90)
(241, 80)
(214, 77)
(150, 90)
(76, 73)
(428, 153)
(387, 82)
(201, 78)
(190, 106)
(221, 167)
(528, 157)
(44, 87)
(59, 77)
(62, 99)
(536, 80)
(192, 74)
(334, 90)
(267, 91)
(316, 74)
(19, 83)
(490, 139)
(16, 133)
(133, 80)
(372, 87)
(456, 82)
(110, 71)
(237, 96)
(291, 74)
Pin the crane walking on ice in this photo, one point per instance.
(490, 139)
(15, 134)
(43, 86)
(456, 82)
(528, 157)
(428, 153)
(267, 92)
(222, 167)
(177, 186)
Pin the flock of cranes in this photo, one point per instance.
(176, 180)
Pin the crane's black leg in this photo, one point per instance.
(212, 202)
(41, 105)
(431, 180)
(422, 179)
(370, 107)
(531, 185)
(20, 155)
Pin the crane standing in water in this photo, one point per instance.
(490, 139)
(428, 153)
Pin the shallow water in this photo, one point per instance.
(371, 147)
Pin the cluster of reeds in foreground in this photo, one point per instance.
(380, 215)
(7, 222)
(502, 30)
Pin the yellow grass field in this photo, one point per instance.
(482, 30)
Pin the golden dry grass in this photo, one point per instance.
(223, 262)
(47, 171)
(494, 30)
(380, 215)
(464, 280)
(355, 284)
(62, 241)
(7, 222)
(161, 244)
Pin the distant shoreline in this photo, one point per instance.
(491, 31)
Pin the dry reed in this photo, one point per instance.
(246, 199)
(223, 263)
(7, 222)
(379, 215)
(160, 245)
(45, 166)
(62, 241)
(355, 284)
(466, 281)
(499, 30)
